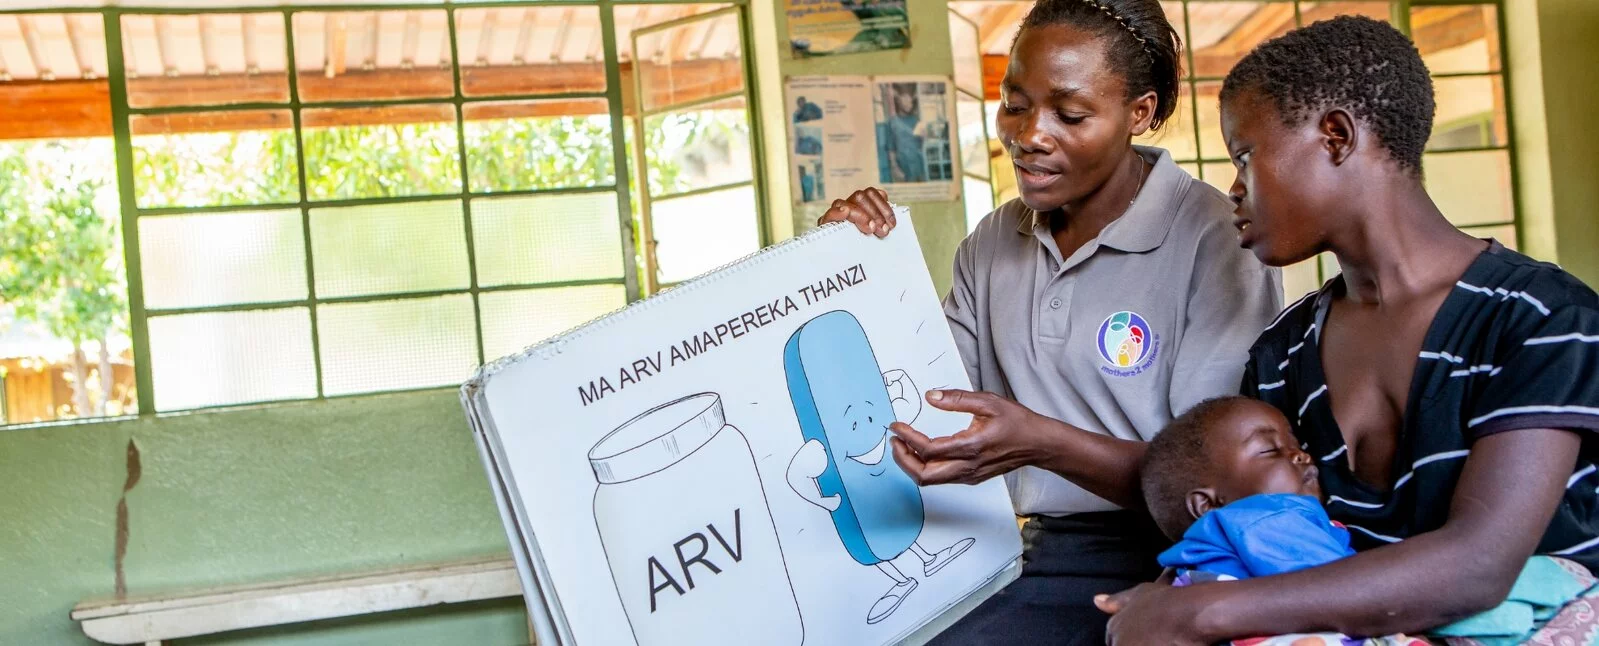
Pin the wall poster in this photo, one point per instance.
(851, 132)
(832, 27)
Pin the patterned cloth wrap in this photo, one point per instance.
(1554, 602)
(1331, 639)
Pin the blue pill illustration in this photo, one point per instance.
(844, 404)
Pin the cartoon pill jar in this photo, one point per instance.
(687, 533)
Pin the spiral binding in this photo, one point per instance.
(556, 344)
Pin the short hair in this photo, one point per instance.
(1176, 462)
(1351, 62)
(1141, 43)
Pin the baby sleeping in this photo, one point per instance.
(1228, 481)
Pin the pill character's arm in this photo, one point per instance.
(903, 395)
(808, 464)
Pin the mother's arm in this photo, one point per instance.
(1506, 496)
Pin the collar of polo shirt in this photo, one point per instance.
(1147, 221)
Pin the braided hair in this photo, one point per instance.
(1140, 43)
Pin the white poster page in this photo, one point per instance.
(713, 466)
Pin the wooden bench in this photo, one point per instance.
(152, 619)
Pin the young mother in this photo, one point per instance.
(1446, 385)
(1112, 295)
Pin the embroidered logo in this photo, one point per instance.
(1127, 344)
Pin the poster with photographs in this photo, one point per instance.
(851, 132)
(833, 27)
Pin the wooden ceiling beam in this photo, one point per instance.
(640, 20)
(705, 40)
(75, 39)
(1263, 23)
(678, 47)
(208, 55)
(1459, 28)
(162, 51)
(995, 23)
(369, 27)
(78, 108)
(130, 53)
(334, 37)
(50, 109)
(485, 40)
(524, 34)
(40, 60)
(409, 39)
(597, 42)
(445, 53)
(252, 61)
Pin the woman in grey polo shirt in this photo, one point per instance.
(1072, 380)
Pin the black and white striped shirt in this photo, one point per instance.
(1514, 346)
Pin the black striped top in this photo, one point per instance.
(1514, 346)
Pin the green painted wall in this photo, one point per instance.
(940, 226)
(1570, 86)
(1551, 54)
(241, 496)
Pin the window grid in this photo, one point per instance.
(131, 214)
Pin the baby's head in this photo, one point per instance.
(1220, 451)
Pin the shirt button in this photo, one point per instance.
(1054, 304)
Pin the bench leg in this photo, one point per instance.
(153, 643)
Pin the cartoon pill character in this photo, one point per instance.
(845, 404)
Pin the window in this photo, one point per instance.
(325, 202)
(693, 108)
(65, 349)
(971, 119)
(1468, 160)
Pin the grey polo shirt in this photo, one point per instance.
(1148, 319)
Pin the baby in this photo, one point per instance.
(1228, 481)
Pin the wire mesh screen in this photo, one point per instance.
(389, 249)
(216, 358)
(544, 239)
(222, 259)
(513, 320)
(395, 345)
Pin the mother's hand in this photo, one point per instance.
(1153, 613)
(868, 208)
(1003, 436)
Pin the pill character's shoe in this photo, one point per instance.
(944, 556)
(890, 601)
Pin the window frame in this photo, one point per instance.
(625, 162)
